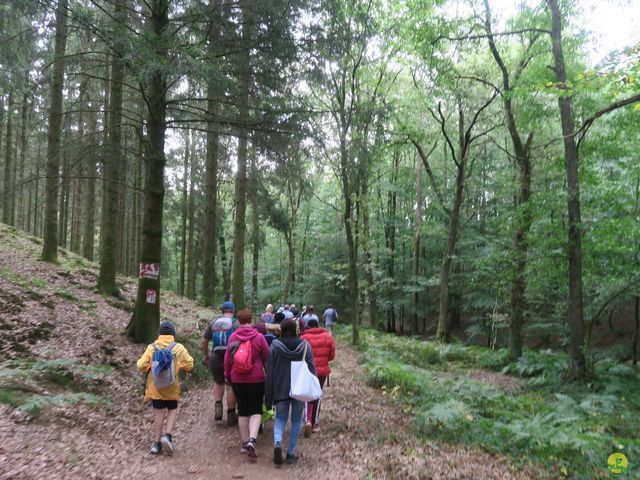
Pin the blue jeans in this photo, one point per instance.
(280, 424)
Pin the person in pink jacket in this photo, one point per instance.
(324, 351)
(247, 378)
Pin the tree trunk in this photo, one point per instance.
(183, 229)
(523, 213)
(143, 326)
(9, 179)
(24, 120)
(578, 369)
(226, 271)
(113, 165)
(191, 277)
(50, 242)
(416, 246)
(288, 236)
(372, 299)
(351, 247)
(210, 197)
(90, 197)
(255, 234)
(78, 179)
(240, 200)
(390, 238)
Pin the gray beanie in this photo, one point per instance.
(167, 328)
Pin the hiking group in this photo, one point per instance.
(273, 368)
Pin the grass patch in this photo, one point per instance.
(66, 295)
(558, 425)
(34, 386)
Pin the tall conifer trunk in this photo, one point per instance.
(113, 164)
(50, 243)
(143, 326)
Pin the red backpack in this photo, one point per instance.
(243, 358)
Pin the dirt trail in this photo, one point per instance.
(362, 436)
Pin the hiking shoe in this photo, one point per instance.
(232, 418)
(251, 448)
(243, 448)
(291, 459)
(218, 412)
(156, 448)
(167, 444)
(307, 430)
(316, 428)
(277, 454)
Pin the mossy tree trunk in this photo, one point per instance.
(143, 326)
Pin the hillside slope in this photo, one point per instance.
(71, 397)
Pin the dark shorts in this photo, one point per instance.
(216, 365)
(250, 397)
(162, 404)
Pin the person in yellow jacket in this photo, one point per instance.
(164, 400)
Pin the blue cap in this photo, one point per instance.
(227, 307)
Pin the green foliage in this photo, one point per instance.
(546, 421)
(34, 386)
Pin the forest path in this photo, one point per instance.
(363, 435)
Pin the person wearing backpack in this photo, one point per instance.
(219, 332)
(267, 315)
(162, 361)
(324, 351)
(310, 314)
(282, 352)
(244, 363)
(330, 317)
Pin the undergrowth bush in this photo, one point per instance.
(556, 424)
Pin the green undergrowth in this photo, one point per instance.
(34, 386)
(200, 372)
(566, 428)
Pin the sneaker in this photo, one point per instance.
(167, 443)
(251, 448)
(316, 428)
(307, 430)
(243, 448)
(291, 459)
(218, 412)
(277, 454)
(156, 448)
(232, 418)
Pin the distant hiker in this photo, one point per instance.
(244, 363)
(163, 360)
(267, 315)
(330, 317)
(219, 332)
(324, 351)
(294, 310)
(310, 314)
(278, 385)
(287, 312)
(262, 328)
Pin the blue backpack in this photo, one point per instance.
(162, 366)
(221, 331)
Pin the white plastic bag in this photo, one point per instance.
(305, 386)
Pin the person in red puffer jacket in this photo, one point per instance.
(324, 350)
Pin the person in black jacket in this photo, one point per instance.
(278, 385)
